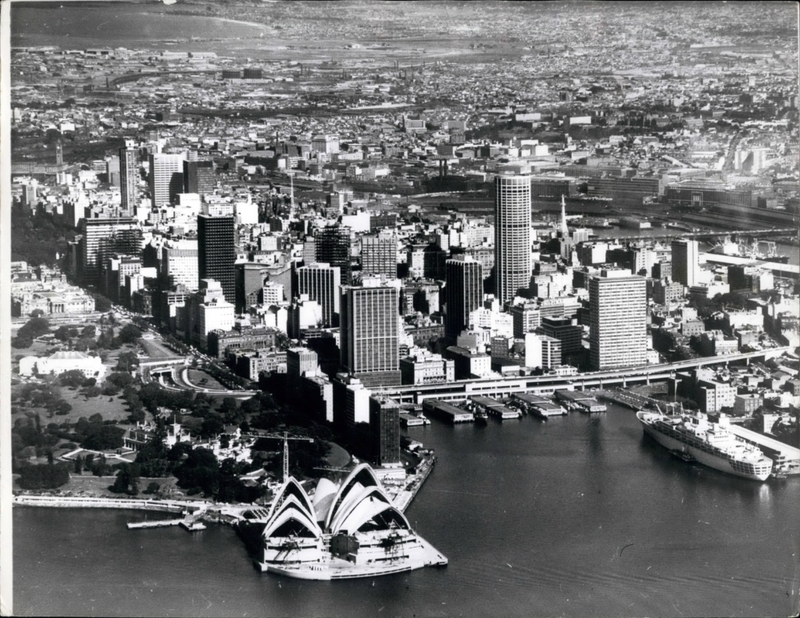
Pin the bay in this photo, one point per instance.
(578, 516)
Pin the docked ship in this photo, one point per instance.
(693, 437)
(340, 532)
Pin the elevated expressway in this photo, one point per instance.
(177, 370)
(504, 387)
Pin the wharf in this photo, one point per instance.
(580, 401)
(627, 399)
(447, 411)
(162, 523)
(403, 498)
(492, 407)
(540, 406)
(786, 457)
(167, 506)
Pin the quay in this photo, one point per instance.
(168, 506)
(162, 523)
(786, 458)
(403, 498)
(627, 399)
(580, 401)
(492, 407)
(540, 406)
(447, 411)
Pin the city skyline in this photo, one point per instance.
(265, 254)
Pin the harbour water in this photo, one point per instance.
(576, 516)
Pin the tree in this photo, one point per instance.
(229, 410)
(62, 408)
(79, 465)
(48, 476)
(72, 378)
(62, 333)
(129, 334)
(126, 361)
(127, 480)
(35, 327)
(212, 426)
(103, 437)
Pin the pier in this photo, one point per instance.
(163, 523)
(627, 399)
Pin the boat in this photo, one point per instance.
(481, 418)
(711, 444)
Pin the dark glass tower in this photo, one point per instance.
(463, 293)
(216, 248)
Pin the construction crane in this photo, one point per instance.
(285, 437)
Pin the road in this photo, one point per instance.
(504, 387)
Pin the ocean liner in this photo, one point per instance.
(694, 438)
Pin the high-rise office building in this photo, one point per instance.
(321, 282)
(179, 264)
(384, 421)
(166, 178)
(101, 238)
(685, 262)
(129, 179)
(617, 320)
(332, 245)
(379, 255)
(216, 247)
(512, 227)
(198, 177)
(369, 342)
(570, 335)
(463, 292)
(249, 285)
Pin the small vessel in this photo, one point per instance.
(693, 437)
(481, 418)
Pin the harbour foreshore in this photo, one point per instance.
(169, 506)
(226, 513)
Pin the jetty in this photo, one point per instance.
(162, 523)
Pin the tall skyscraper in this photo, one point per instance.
(333, 247)
(379, 255)
(198, 177)
(463, 292)
(321, 282)
(216, 247)
(369, 334)
(101, 238)
(129, 179)
(166, 178)
(617, 320)
(685, 262)
(512, 227)
(249, 285)
(384, 421)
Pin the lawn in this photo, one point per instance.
(195, 376)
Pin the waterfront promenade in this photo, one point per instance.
(169, 506)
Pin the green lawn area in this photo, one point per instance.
(196, 375)
(90, 485)
(111, 408)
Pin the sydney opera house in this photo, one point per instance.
(340, 531)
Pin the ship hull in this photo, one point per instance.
(707, 459)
